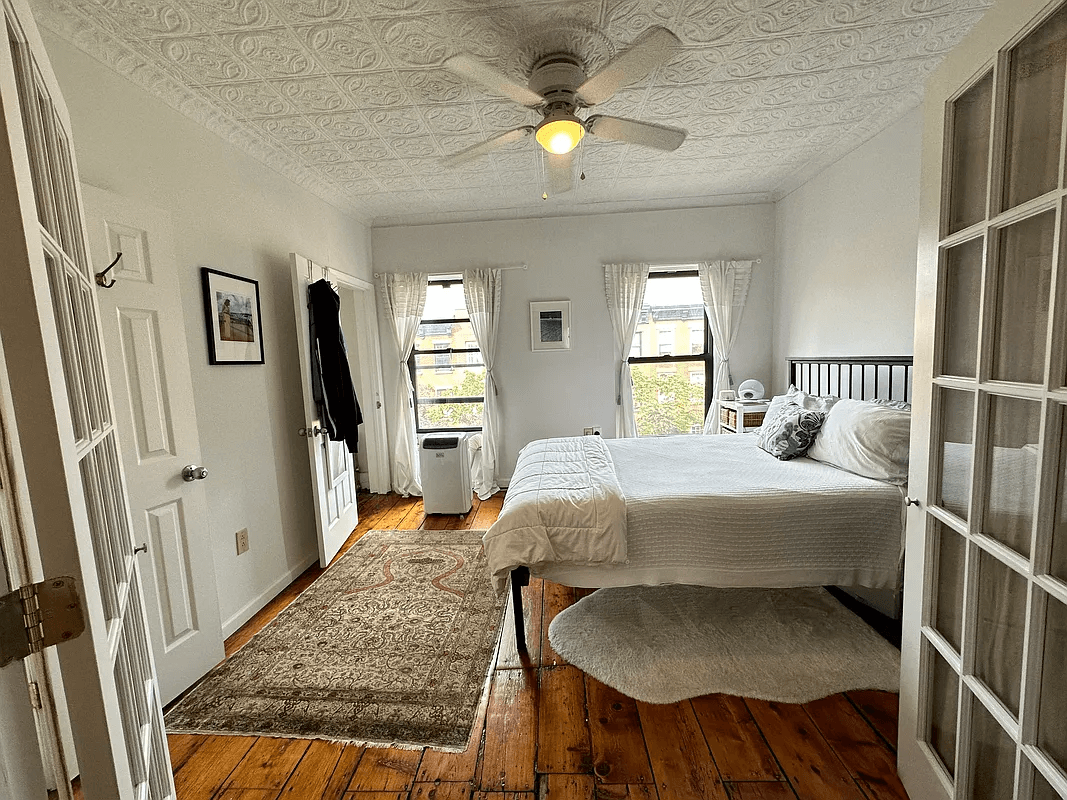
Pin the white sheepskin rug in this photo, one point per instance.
(661, 644)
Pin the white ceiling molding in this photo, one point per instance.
(348, 99)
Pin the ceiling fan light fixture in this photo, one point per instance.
(560, 134)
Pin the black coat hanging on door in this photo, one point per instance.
(331, 379)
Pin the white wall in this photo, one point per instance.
(845, 254)
(558, 393)
(232, 213)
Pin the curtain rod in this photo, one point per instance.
(675, 265)
(456, 272)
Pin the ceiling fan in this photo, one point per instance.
(558, 88)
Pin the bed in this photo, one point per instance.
(703, 510)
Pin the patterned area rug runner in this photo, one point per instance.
(391, 645)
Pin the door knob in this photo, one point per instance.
(192, 472)
(911, 501)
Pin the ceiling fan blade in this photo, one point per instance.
(648, 52)
(559, 171)
(484, 75)
(488, 146)
(648, 134)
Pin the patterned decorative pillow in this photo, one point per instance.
(791, 433)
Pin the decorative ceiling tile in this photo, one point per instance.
(201, 59)
(375, 89)
(273, 53)
(344, 125)
(314, 95)
(344, 46)
(350, 100)
(251, 99)
(221, 15)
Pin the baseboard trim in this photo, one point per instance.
(249, 610)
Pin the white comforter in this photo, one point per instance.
(563, 506)
(718, 511)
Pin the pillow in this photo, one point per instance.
(791, 433)
(795, 397)
(869, 439)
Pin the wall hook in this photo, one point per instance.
(100, 276)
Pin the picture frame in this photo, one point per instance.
(233, 319)
(550, 325)
(727, 395)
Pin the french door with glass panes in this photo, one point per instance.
(984, 657)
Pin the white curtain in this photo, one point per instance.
(403, 298)
(724, 285)
(481, 291)
(624, 285)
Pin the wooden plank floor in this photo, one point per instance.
(548, 731)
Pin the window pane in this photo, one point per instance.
(944, 694)
(948, 608)
(673, 307)
(1035, 108)
(957, 451)
(963, 287)
(992, 757)
(451, 379)
(437, 416)
(970, 155)
(666, 401)
(1023, 284)
(999, 635)
(1012, 471)
(445, 302)
(1052, 716)
(1059, 530)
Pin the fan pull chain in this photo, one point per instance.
(544, 178)
(581, 157)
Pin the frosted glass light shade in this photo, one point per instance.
(560, 135)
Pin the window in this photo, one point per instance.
(474, 355)
(665, 341)
(670, 387)
(446, 365)
(696, 337)
(443, 359)
(635, 347)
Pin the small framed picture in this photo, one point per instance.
(550, 325)
(727, 394)
(231, 311)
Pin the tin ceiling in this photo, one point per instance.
(348, 98)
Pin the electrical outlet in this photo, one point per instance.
(242, 541)
(591, 430)
(596, 430)
(587, 431)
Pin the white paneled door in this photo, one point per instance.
(983, 706)
(333, 468)
(75, 513)
(145, 342)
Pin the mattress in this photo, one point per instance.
(718, 511)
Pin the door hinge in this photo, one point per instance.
(35, 695)
(37, 616)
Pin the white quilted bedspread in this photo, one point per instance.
(718, 511)
(563, 505)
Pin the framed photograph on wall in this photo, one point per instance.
(231, 311)
(550, 325)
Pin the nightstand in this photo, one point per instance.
(740, 416)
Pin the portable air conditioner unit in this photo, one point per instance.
(446, 473)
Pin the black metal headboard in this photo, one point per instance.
(856, 377)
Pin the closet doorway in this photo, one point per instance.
(333, 468)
